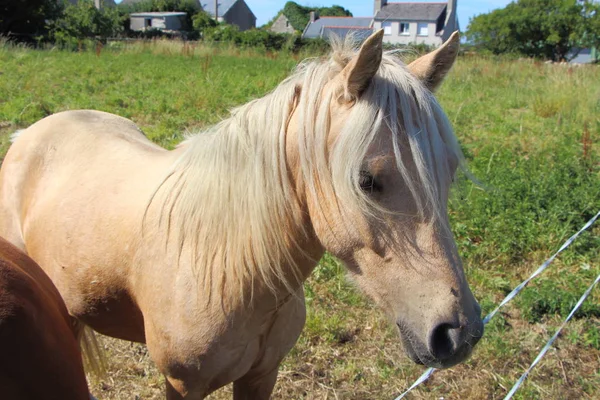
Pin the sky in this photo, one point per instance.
(266, 9)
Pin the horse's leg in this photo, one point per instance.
(252, 387)
(259, 382)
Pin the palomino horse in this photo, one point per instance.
(201, 252)
(39, 355)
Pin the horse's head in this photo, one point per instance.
(375, 159)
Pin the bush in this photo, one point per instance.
(265, 40)
(201, 21)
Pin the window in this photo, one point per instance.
(148, 22)
(404, 28)
(423, 29)
(387, 28)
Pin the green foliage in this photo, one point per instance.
(263, 39)
(547, 29)
(299, 15)
(26, 19)
(84, 21)
(548, 298)
(201, 20)
(190, 7)
(519, 212)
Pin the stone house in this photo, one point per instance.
(234, 12)
(282, 25)
(415, 23)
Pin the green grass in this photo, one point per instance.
(530, 133)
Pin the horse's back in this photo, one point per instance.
(68, 125)
(60, 148)
(39, 355)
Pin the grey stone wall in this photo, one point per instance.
(282, 25)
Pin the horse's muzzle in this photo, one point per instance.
(447, 344)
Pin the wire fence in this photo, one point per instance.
(509, 297)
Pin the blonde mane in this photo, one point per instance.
(229, 196)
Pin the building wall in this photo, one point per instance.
(136, 23)
(282, 25)
(412, 38)
(173, 23)
(239, 14)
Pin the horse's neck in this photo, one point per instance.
(301, 242)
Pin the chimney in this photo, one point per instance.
(314, 15)
(217, 11)
(378, 5)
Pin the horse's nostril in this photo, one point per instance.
(443, 341)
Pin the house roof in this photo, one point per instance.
(315, 29)
(224, 6)
(411, 11)
(131, 2)
(360, 33)
(158, 14)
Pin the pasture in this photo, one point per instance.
(530, 133)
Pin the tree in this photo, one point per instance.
(84, 21)
(548, 29)
(27, 18)
(299, 15)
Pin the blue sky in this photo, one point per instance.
(266, 9)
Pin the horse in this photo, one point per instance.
(201, 251)
(39, 353)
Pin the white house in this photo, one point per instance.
(415, 23)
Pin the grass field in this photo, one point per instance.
(531, 135)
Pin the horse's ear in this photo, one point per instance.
(357, 75)
(432, 68)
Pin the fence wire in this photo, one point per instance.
(552, 339)
(509, 297)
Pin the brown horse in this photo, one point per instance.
(39, 355)
(201, 252)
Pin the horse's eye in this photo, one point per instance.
(368, 183)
